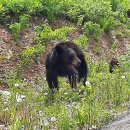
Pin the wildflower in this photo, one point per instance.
(53, 119)
(45, 94)
(123, 77)
(73, 103)
(6, 109)
(5, 103)
(65, 93)
(16, 85)
(40, 113)
(114, 37)
(19, 98)
(94, 127)
(87, 83)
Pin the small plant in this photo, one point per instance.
(92, 29)
(82, 41)
(45, 34)
(114, 45)
(51, 8)
(31, 52)
(27, 55)
(16, 28)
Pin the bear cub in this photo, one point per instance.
(114, 63)
(66, 59)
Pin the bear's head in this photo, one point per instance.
(67, 56)
(113, 64)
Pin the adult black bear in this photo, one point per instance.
(66, 59)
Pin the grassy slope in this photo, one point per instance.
(86, 107)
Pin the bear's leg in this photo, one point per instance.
(52, 80)
(73, 76)
(55, 82)
(82, 70)
(82, 74)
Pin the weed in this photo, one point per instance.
(82, 41)
(27, 55)
(92, 29)
(45, 34)
(16, 28)
(114, 45)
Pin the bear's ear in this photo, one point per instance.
(59, 50)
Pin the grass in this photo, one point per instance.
(90, 106)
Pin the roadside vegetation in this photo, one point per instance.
(29, 107)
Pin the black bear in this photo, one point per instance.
(66, 59)
(113, 64)
(128, 13)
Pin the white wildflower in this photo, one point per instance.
(53, 119)
(114, 37)
(65, 93)
(6, 109)
(40, 113)
(73, 103)
(19, 99)
(6, 103)
(87, 83)
(94, 127)
(45, 94)
(80, 90)
(16, 85)
(68, 105)
(23, 96)
(123, 77)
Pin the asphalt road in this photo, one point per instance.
(122, 123)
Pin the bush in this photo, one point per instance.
(16, 28)
(27, 55)
(44, 34)
(92, 29)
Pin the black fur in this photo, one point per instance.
(66, 59)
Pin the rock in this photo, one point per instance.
(5, 93)
(2, 127)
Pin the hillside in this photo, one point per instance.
(29, 30)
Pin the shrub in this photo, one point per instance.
(16, 28)
(45, 34)
(92, 29)
(27, 55)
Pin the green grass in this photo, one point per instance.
(104, 15)
(90, 106)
